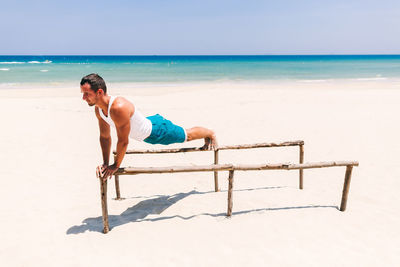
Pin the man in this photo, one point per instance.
(129, 122)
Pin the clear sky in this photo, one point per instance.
(206, 27)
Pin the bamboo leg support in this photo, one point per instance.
(301, 170)
(103, 189)
(118, 194)
(230, 189)
(216, 172)
(346, 187)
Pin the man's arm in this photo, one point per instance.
(123, 126)
(105, 138)
(120, 113)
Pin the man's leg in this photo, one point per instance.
(210, 140)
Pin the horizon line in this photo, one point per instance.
(161, 55)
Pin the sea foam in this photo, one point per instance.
(40, 62)
(312, 81)
(11, 62)
(4, 69)
(372, 79)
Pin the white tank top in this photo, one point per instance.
(140, 125)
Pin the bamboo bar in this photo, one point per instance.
(301, 160)
(313, 165)
(103, 192)
(227, 167)
(259, 145)
(231, 167)
(216, 159)
(172, 169)
(216, 167)
(197, 149)
(230, 191)
(117, 191)
(216, 154)
(346, 187)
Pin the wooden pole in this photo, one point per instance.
(216, 159)
(260, 145)
(239, 167)
(346, 187)
(198, 149)
(313, 165)
(230, 189)
(103, 190)
(301, 170)
(118, 194)
(231, 168)
(117, 191)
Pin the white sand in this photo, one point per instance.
(50, 203)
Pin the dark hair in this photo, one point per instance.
(95, 81)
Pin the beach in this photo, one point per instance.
(51, 209)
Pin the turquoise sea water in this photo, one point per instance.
(164, 69)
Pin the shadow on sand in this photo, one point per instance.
(157, 205)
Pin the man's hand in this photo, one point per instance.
(104, 171)
(100, 170)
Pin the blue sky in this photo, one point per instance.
(174, 27)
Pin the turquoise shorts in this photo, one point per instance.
(164, 131)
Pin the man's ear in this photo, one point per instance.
(100, 92)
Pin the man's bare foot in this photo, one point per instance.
(206, 146)
(210, 143)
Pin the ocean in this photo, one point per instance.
(15, 70)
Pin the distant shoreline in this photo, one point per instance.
(207, 82)
(190, 55)
(201, 68)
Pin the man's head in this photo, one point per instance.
(93, 87)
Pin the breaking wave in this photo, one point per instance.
(40, 62)
(12, 62)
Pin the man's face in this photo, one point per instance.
(88, 94)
